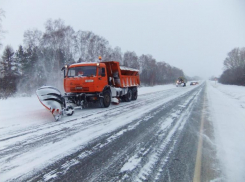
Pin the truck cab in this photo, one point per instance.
(85, 78)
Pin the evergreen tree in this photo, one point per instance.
(30, 77)
(10, 71)
(9, 63)
(20, 58)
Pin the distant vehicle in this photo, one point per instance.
(194, 83)
(181, 81)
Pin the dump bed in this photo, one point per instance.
(122, 76)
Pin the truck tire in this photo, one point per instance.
(69, 110)
(134, 93)
(105, 101)
(128, 96)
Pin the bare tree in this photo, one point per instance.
(234, 66)
(54, 34)
(2, 14)
(115, 55)
(90, 46)
(32, 38)
(148, 69)
(130, 59)
(233, 60)
(58, 44)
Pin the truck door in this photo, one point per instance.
(102, 78)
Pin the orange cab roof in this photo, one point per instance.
(84, 64)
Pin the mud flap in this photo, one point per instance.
(51, 98)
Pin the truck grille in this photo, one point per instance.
(77, 89)
(85, 89)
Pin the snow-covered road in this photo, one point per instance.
(154, 138)
(131, 138)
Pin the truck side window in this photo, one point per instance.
(102, 72)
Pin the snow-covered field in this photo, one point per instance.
(21, 112)
(226, 109)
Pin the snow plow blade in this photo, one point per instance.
(51, 99)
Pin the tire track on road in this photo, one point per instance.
(56, 132)
(112, 165)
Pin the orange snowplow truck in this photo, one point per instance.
(85, 83)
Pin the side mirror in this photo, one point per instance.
(64, 69)
(102, 74)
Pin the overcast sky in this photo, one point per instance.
(193, 35)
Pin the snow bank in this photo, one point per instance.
(145, 90)
(22, 110)
(226, 104)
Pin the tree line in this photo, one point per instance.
(234, 68)
(39, 60)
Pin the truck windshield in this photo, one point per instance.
(82, 71)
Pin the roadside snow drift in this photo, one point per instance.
(227, 108)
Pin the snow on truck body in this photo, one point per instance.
(102, 82)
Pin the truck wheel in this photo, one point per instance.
(106, 100)
(69, 110)
(134, 93)
(128, 96)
